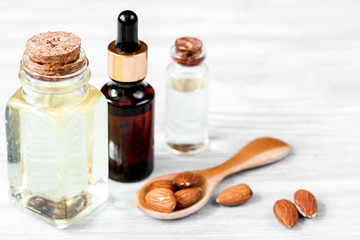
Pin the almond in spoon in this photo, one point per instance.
(163, 184)
(161, 200)
(187, 197)
(186, 179)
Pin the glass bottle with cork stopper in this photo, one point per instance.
(56, 127)
(131, 104)
(187, 98)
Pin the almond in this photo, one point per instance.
(305, 203)
(187, 197)
(286, 213)
(163, 184)
(186, 179)
(161, 200)
(235, 195)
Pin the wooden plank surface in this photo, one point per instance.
(286, 69)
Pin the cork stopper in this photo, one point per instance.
(188, 46)
(52, 55)
(54, 48)
(188, 51)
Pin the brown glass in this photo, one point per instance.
(131, 130)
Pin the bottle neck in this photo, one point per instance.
(43, 85)
(177, 70)
(54, 79)
(55, 94)
(59, 87)
(128, 84)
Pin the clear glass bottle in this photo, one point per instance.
(57, 143)
(187, 98)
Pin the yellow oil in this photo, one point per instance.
(57, 153)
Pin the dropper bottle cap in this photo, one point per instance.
(127, 56)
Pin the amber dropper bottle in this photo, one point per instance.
(130, 103)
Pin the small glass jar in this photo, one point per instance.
(187, 98)
(56, 127)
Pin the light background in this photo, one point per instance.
(289, 69)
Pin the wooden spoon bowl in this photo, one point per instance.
(143, 206)
(257, 153)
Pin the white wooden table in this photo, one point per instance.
(286, 69)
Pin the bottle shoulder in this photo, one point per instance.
(15, 98)
(128, 96)
(176, 70)
(96, 93)
(57, 104)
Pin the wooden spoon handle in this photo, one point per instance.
(257, 153)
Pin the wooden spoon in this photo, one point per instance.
(257, 153)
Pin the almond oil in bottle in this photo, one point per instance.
(56, 127)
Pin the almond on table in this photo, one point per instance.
(305, 203)
(235, 195)
(286, 213)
